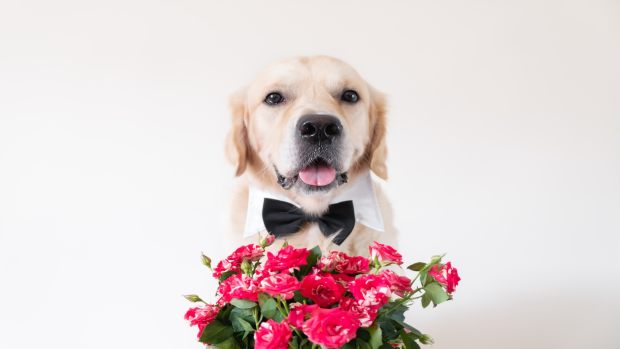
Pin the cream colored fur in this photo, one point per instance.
(261, 137)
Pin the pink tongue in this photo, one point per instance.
(318, 175)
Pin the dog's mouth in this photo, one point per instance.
(319, 175)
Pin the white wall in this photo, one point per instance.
(505, 153)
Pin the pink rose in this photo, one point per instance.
(322, 290)
(385, 253)
(354, 265)
(272, 335)
(238, 286)
(342, 279)
(372, 290)
(267, 240)
(328, 263)
(299, 313)
(280, 285)
(251, 253)
(287, 258)
(398, 284)
(201, 316)
(445, 275)
(366, 315)
(340, 262)
(331, 328)
(226, 265)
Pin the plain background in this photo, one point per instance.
(505, 153)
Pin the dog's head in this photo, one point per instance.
(306, 125)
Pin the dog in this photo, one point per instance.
(306, 135)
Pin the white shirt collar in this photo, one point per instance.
(360, 191)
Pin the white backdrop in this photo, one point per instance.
(504, 138)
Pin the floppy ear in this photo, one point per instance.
(237, 144)
(378, 122)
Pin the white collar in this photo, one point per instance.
(360, 191)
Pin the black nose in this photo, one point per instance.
(315, 128)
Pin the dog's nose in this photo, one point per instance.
(315, 128)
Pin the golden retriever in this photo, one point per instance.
(308, 130)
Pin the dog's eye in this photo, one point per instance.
(350, 96)
(274, 98)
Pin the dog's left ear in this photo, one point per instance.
(378, 122)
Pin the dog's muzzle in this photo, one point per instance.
(318, 142)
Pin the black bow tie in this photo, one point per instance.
(282, 218)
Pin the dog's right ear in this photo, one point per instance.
(377, 147)
(237, 143)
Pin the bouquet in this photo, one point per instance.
(297, 298)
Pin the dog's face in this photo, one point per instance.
(307, 124)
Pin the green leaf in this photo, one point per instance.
(426, 300)
(389, 328)
(224, 313)
(262, 298)
(269, 309)
(408, 341)
(216, 332)
(246, 315)
(313, 258)
(398, 325)
(225, 275)
(278, 317)
(242, 303)
(412, 331)
(362, 333)
(375, 336)
(349, 345)
(423, 277)
(246, 326)
(297, 297)
(294, 343)
(398, 313)
(362, 344)
(240, 325)
(417, 266)
(436, 292)
(229, 343)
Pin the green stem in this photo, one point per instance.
(256, 320)
(286, 306)
(298, 333)
(280, 307)
(415, 278)
(403, 300)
